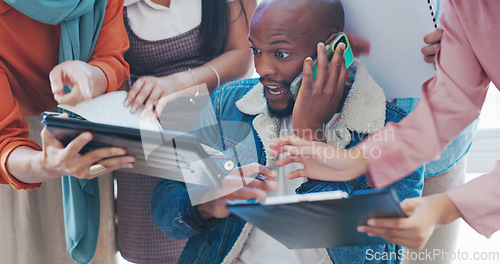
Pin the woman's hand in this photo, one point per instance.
(58, 161)
(321, 161)
(148, 90)
(434, 44)
(425, 214)
(84, 80)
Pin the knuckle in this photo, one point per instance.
(73, 171)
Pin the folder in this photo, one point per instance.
(320, 223)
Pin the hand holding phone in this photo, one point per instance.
(319, 100)
(330, 50)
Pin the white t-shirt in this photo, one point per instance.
(152, 22)
(259, 246)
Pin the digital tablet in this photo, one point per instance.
(166, 154)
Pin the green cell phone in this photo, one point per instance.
(330, 50)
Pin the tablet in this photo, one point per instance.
(166, 154)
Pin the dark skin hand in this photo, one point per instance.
(240, 184)
(318, 101)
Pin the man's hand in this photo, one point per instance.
(240, 185)
(84, 80)
(57, 160)
(321, 161)
(434, 44)
(318, 101)
(425, 214)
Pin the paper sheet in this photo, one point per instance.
(109, 109)
(395, 29)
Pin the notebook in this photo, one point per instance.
(395, 29)
(319, 220)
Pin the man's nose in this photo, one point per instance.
(264, 67)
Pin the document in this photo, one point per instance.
(109, 109)
(395, 29)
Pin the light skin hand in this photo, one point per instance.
(318, 101)
(425, 214)
(147, 90)
(321, 161)
(55, 160)
(433, 40)
(84, 80)
(240, 185)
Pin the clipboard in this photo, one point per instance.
(165, 154)
(320, 223)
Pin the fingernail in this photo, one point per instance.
(126, 103)
(370, 234)
(361, 229)
(272, 153)
(274, 173)
(119, 152)
(321, 45)
(88, 136)
(341, 46)
(371, 222)
(130, 160)
(143, 114)
(130, 166)
(133, 109)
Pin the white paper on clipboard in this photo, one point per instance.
(395, 29)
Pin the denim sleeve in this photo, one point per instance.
(172, 211)
(171, 206)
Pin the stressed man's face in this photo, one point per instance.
(280, 47)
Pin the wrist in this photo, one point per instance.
(182, 80)
(27, 165)
(449, 212)
(204, 211)
(312, 132)
(99, 81)
(360, 162)
(40, 165)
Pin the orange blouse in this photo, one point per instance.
(29, 50)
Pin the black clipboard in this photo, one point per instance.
(321, 224)
(175, 155)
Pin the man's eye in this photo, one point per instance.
(282, 55)
(254, 50)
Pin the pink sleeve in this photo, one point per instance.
(450, 101)
(479, 200)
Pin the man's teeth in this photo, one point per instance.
(271, 88)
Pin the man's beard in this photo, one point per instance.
(284, 112)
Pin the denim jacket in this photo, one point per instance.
(221, 240)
